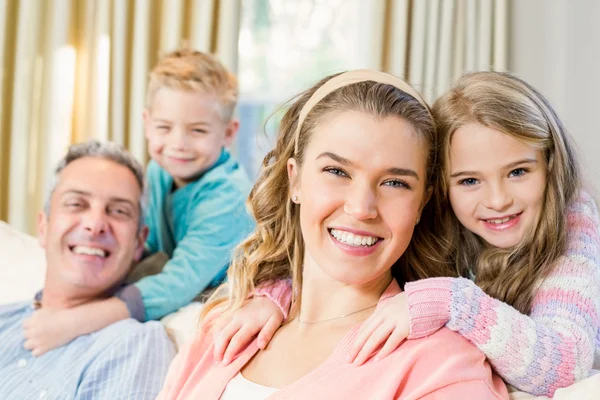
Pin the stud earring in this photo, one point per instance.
(295, 199)
(418, 219)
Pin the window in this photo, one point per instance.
(284, 47)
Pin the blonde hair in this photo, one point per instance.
(194, 71)
(505, 103)
(275, 249)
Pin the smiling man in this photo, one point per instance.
(92, 231)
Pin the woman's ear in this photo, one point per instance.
(426, 198)
(294, 178)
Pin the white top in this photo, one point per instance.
(240, 388)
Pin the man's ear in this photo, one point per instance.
(231, 131)
(146, 118)
(294, 179)
(142, 236)
(42, 228)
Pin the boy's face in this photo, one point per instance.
(186, 132)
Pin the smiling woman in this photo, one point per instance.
(355, 155)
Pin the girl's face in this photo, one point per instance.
(361, 189)
(496, 184)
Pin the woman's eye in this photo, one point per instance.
(335, 171)
(397, 183)
(518, 172)
(468, 182)
(73, 205)
(199, 131)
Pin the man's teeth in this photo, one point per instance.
(500, 220)
(90, 251)
(352, 239)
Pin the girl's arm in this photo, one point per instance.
(262, 314)
(48, 329)
(549, 349)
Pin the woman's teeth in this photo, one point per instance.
(352, 239)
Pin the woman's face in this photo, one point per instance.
(361, 189)
(497, 184)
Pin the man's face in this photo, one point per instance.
(91, 233)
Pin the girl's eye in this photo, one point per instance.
(397, 183)
(162, 128)
(335, 171)
(468, 182)
(517, 172)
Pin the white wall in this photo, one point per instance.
(555, 46)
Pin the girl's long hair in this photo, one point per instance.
(507, 104)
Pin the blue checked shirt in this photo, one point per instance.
(127, 360)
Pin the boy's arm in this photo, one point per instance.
(134, 367)
(48, 329)
(219, 222)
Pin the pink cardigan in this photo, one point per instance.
(441, 366)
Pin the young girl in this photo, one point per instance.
(354, 156)
(509, 212)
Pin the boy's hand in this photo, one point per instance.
(47, 329)
(232, 333)
(390, 324)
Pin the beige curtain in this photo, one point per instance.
(432, 42)
(77, 69)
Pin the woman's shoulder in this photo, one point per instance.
(443, 360)
(447, 354)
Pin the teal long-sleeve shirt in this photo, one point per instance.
(198, 226)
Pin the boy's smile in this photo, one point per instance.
(186, 132)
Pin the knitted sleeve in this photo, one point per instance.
(538, 353)
(279, 292)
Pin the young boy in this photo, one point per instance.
(197, 194)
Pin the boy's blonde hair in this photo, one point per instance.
(194, 71)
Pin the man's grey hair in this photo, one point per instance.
(106, 150)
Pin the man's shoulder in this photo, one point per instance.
(13, 310)
(131, 329)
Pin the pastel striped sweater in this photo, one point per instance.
(539, 353)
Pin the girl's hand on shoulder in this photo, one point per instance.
(232, 333)
(388, 326)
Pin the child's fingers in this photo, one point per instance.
(375, 340)
(267, 332)
(363, 335)
(218, 326)
(239, 340)
(29, 345)
(223, 338)
(38, 351)
(391, 344)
